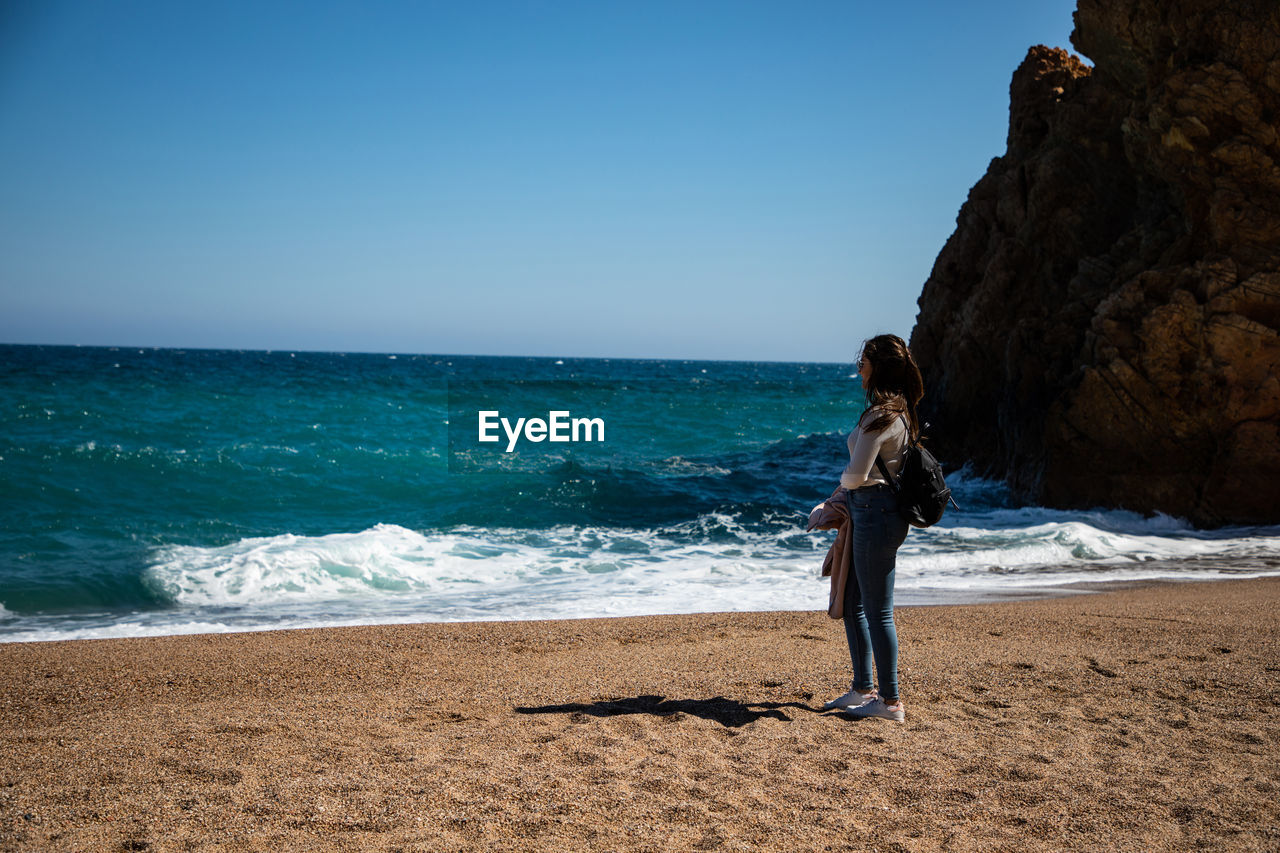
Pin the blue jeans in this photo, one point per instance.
(878, 531)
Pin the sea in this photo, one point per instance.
(150, 492)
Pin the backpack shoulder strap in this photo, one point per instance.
(884, 472)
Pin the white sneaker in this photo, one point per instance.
(852, 699)
(877, 708)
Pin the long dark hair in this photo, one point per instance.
(895, 387)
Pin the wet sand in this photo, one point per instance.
(1140, 719)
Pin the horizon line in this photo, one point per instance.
(142, 347)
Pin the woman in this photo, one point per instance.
(893, 388)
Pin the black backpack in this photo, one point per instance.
(921, 489)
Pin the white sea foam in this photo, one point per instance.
(390, 574)
(384, 559)
(713, 562)
(1053, 554)
(678, 465)
(564, 571)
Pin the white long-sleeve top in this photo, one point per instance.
(889, 443)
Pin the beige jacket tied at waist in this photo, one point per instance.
(833, 514)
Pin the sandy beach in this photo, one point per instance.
(1140, 719)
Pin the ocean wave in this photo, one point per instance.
(719, 561)
(384, 559)
(1069, 541)
(389, 561)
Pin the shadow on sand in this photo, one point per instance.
(726, 712)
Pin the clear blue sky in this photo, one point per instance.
(737, 180)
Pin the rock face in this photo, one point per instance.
(1101, 328)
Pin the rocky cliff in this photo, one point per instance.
(1101, 328)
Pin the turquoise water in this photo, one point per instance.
(164, 491)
